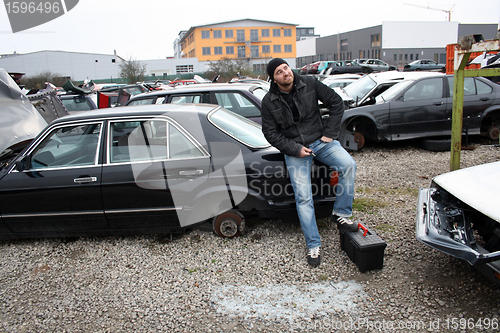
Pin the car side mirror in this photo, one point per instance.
(23, 164)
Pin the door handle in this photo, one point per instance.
(190, 173)
(484, 99)
(438, 103)
(85, 180)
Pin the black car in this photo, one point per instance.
(242, 98)
(347, 67)
(422, 108)
(148, 169)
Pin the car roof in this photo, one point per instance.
(200, 87)
(395, 75)
(139, 111)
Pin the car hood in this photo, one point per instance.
(19, 120)
(342, 94)
(477, 186)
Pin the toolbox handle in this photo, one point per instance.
(360, 226)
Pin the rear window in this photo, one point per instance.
(240, 128)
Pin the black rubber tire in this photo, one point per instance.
(436, 144)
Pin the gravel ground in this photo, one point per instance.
(198, 282)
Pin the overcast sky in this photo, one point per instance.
(146, 29)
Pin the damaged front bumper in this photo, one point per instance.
(445, 223)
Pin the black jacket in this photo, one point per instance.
(289, 136)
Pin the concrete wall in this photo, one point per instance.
(77, 66)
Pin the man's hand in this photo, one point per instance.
(305, 152)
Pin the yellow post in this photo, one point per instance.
(457, 114)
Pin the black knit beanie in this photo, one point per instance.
(272, 65)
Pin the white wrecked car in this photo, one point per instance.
(459, 215)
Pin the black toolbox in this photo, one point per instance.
(363, 247)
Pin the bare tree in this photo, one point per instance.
(228, 69)
(132, 70)
(39, 80)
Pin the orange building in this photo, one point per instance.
(253, 40)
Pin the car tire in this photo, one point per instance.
(229, 224)
(436, 144)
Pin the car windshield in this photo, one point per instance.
(360, 88)
(240, 128)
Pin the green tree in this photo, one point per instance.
(132, 70)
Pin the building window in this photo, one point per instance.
(287, 32)
(183, 69)
(217, 33)
(288, 48)
(265, 32)
(375, 40)
(344, 44)
(206, 51)
(217, 50)
(240, 35)
(254, 35)
(254, 50)
(205, 34)
(266, 48)
(229, 49)
(411, 57)
(242, 52)
(416, 56)
(395, 57)
(406, 57)
(259, 67)
(229, 33)
(277, 48)
(113, 60)
(276, 32)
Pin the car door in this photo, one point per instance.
(55, 189)
(478, 96)
(148, 161)
(420, 111)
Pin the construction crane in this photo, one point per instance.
(428, 7)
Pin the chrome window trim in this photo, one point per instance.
(168, 120)
(49, 130)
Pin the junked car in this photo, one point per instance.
(364, 91)
(148, 169)
(378, 65)
(424, 65)
(458, 215)
(422, 108)
(346, 67)
(244, 99)
(20, 122)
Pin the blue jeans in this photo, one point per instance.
(337, 158)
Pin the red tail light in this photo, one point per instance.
(334, 178)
